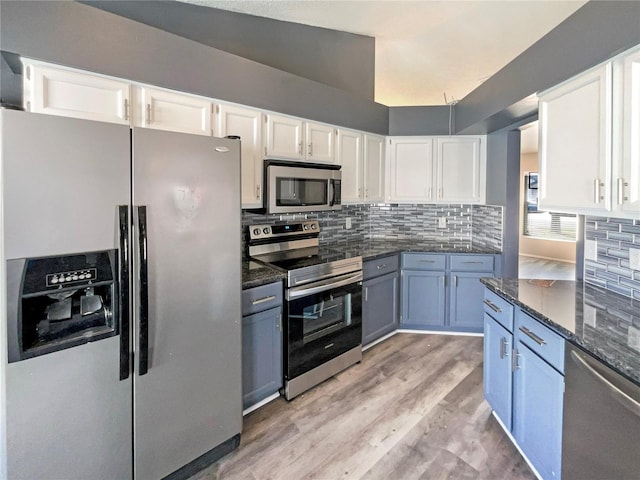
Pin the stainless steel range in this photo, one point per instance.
(323, 302)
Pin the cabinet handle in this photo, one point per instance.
(444, 282)
(621, 185)
(381, 265)
(309, 150)
(504, 352)
(455, 281)
(439, 193)
(366, 294)
(263, 299)
(258, 192)
(597, 190)
(533, 336)
(126, 109)
(147, 114)
(279, 324)
(492, 306)
(300, 148)
(515, 364)
(429, 195)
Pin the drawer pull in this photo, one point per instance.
(427, 261)
(533, 336)
(383, 265)
(264, 299)
(492, 306)
(473, 262)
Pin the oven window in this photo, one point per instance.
(301, 191)
(325, 317)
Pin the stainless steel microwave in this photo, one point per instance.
(293, 187)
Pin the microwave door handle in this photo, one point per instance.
(123, 290)
(332, 186)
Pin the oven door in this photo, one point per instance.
(323, 320)
(297, 189)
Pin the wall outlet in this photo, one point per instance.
(347, 223)
(634, 258)
(442, 222)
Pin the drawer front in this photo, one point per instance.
(424, 261)
(542, 340)
(472, 263)
(380, 266)
(499, 309)
(261, 298)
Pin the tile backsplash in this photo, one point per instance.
(608, 242)
(466, 225)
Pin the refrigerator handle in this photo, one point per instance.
(143, 317)
(123, 293)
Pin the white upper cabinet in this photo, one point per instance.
(247, 124)
(320, 142)
(410, 173)
(283, 137)
(349, 157)
(374, 168)
(70, 93)
(575, 144)
(628, 173)
(176, 112)
(460, 170)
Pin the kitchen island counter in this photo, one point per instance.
(604, 323)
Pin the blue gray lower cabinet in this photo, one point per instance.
(524, 381)
(380, 297)
(261, 343)
(443, 291)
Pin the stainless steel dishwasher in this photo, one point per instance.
(601, 430)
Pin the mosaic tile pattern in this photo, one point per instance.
(606, 256)
(486, 226)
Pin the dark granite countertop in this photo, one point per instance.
(371, 249)
(601, 322)
(255, 274)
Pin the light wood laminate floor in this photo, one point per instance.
(412, 409)
(534, 267)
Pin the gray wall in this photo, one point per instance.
(596, 32)
(421, 120)
(503, 188)
(85, 37)
(338, 59)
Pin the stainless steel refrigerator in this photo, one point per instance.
(122, 251)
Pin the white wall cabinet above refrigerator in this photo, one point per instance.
(247, 124)
(436, 169)
(590, 141)
(66, 93)
(176, 112)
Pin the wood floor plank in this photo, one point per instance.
(413, 408)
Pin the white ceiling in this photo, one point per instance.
(425, 48)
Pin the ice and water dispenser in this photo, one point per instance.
(60, 302)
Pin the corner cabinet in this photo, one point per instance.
(524, 382)
(589, 153)
(247, 124)
(261, 343)
(380, 288)
(436, 169)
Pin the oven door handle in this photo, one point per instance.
(323, 286)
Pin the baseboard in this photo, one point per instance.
(440, 332)
(515, 444)
(261, 403)
(381, 339)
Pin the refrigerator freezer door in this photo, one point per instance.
(68, 414)
(189, 401)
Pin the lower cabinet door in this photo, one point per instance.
(379, 307)
(261, 355)
(497, 378)
(465, 300)
(423, 298)
(537, 412)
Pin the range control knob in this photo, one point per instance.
(306, 226)
(256, 231)
(265, 230)
(313, 226)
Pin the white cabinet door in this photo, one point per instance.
(350, 158)
(284, 137)
(320, 142)
(247, 124)
(69, 93)
(176, 112)
(575, 144)
(411, 170)
(628, 180)
(460, 168)
(374, 168)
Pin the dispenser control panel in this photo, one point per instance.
(84, 275)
